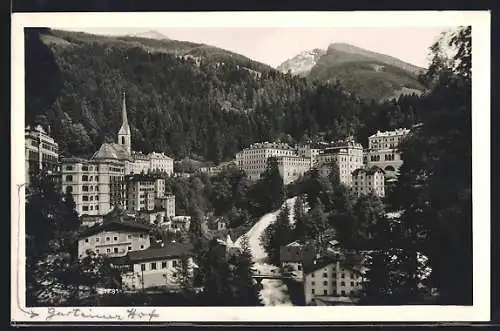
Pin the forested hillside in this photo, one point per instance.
(188, 100)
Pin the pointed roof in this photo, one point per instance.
(112, 151)
(125, 128)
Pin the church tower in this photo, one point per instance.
(124, 137)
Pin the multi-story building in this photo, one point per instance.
(105, 171)
(41, 151)
(292, 167)
(142, 190)
(97, 185)
(331, 278)
(294, 256)
(348, 155)
(167, 203)
(310, 151)
(368, 181)
(159, 162)
(114, 238)
(383, 150)
(140, 164)
(157, 267)
(253, 160)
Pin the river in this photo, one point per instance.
(274, 292)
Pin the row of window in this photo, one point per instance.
(86, 198)
(325, 292)
(87, 208)
(115, 238)
(154, 265)
(342, 275)
(334, 283)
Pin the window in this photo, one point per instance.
(174, 275)
(115, 238)
(325, 275)
(352, 283)
(342, 275)
(143, 267)
(85, 208)
(299, 267)
(312, 275)
(312, 291)
(164, 265)
(85, 168)
(142, 246)
(153, 265)
(86, 240)
(129, 248)
(69, 189)
(97, 251)
(108, 250)
(141, 236)
(129, 236)
(107, 238)
(85, 178)
(69, 167)
(342, 283)
(325, 283)
(313, 283)
(85, 198)
(325, 292)
(96, 239)
(343, 292)
(97, 178)
(85, 188)
(96, 207)
(69, 178)
(174, 263)
(91, 207)
(352, 275)
(96, 198)
(115, 250)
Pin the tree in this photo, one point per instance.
(277, 234)
(300, 219)
(246, 292)
(317, 222)
(436, 176)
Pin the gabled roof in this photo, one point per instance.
(112, 151)
(171, 250)
(125, 226)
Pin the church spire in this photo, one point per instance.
(124, 111)
(124, 136)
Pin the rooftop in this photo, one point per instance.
(170, 250)
(114, 226)
(111, 151)
(274, 145)
(396, 132)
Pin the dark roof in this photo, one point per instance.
(170, 250)
(296, 253)
(112, 151)
(350, 261)
(114, 226)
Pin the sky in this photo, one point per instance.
(277, 44)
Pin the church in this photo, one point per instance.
(98, 184)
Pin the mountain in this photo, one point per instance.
(150, 35)
(368, 74)
(302, 63)
(185, 99)
(154, 42)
